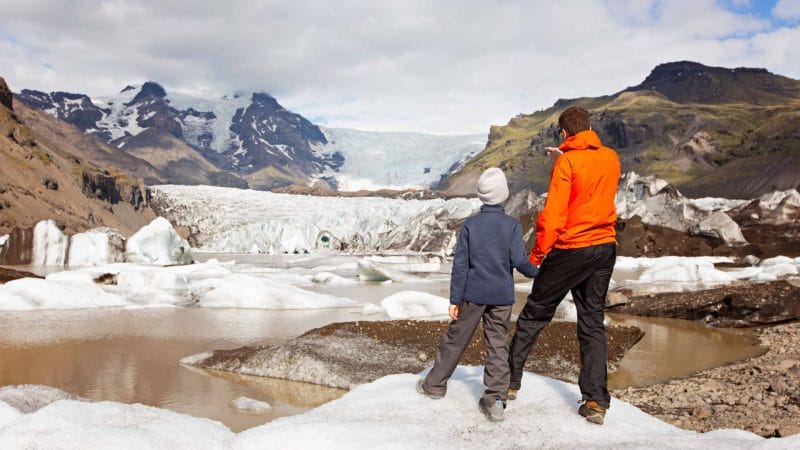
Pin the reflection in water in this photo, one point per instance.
(674, 348)
(132, 355)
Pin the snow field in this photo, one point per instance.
(387, 413)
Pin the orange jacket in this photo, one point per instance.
(579, 210)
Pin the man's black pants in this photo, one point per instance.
(586, 272)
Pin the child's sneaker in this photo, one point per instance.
(593, 412)
(424, 391)
(512, 394)
(495, 412)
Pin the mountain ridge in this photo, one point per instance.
(741, 144)
(40, 179)
(238, 136)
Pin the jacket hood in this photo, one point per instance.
(585, 140)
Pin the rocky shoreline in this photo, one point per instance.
(761, 395)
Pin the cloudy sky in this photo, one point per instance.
(454, 66)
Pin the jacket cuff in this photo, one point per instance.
(536, 260)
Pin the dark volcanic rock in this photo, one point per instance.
(275, 136)
(728, 306)
(347, 354)
(5, 95)
(101, 186)
(149, 89)
(691, 82)
(76, 109)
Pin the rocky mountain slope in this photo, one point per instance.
(709, 131)
(228, 141)
(250, 140)
(40, 179)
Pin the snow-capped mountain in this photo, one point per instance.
(253, 137)
(241, 134)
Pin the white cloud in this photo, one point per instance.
(787, 9)
(417, 65)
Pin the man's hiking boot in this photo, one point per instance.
(495, 412)
(512, 394)
(593, 412)
(424, 391)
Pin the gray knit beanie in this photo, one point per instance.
(492, 186)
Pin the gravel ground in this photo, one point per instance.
(761, 395)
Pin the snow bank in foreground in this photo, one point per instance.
(385, 413)
(84, 425)
(27, 398)
(411, 304)
(7, 414)
(245, 291)
(389, 412)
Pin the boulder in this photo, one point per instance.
(721, 227)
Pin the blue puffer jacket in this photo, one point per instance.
(489, 248)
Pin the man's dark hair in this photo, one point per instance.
(574, 120)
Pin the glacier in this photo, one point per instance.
(395, 160)
(230, 220)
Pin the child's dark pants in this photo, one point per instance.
(496, 374)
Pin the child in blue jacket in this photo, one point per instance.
(489, 247)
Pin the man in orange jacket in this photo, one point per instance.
(575, 251)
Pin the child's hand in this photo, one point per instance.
(453, 311)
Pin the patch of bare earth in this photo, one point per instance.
(347, 354)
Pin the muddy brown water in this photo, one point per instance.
(132, 355)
